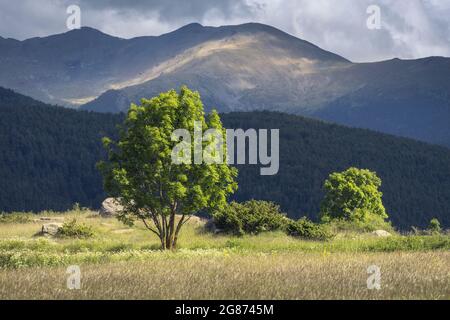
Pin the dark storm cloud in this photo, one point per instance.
(410, 29)
(27, 18)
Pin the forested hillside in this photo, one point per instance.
(48, 156)
(415, 175)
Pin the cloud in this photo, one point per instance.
(171, 10)
(410, 29)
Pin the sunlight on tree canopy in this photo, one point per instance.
(141, 174)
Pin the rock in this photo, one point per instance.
(110, 208)
(194, 219)
(50, 228)
(381, 233)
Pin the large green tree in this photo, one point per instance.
(142, 174)
(353, 195)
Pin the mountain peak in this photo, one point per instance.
(191, 27)
(82, 34)
(89, 32)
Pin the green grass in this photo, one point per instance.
(267, 266)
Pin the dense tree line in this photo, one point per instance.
(48, 156)
(415, 176)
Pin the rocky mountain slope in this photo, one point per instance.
(235, 68)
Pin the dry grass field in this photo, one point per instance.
(220, 275)
(124, 263)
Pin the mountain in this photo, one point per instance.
(49, 154)
(235, 68)
(245, 67)
(77, 66)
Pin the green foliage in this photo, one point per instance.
(434, 226)
(72, 229)
(409, 243)
(306, 229)
(353, 195)
(141, 173)
(16, 217)
(251, 217)
(369, 224)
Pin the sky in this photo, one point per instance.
(408, 29)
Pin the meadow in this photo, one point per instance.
(121, 262)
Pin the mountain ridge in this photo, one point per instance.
(236, 68)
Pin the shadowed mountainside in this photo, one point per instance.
(235, 68)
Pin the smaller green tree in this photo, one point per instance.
(435, 226)
(353, 195)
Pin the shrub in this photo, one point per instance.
(16, 217)
(369, 224)
(434, 226)
(305, 228)
(72, 229)
(251, 217)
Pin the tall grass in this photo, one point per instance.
(214, 274)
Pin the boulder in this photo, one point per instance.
(381, 233)
(110, 208)
(50, 228)
(194, 219)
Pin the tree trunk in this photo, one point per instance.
(168, 233)
(177, 231)
(171, 230)
(163, 243)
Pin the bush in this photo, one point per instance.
(72, 229)
(16, 217)
(305, 228)
(434, 226)
(251, 217)
(369, 224)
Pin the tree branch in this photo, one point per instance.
(150, 228)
